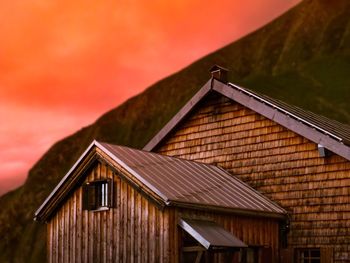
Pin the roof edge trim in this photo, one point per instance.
(188, 228)
(237, 211)
(266, 108)
(284, 118)
(63, 180)
(41, 214)
(285, 111)
(182, 113)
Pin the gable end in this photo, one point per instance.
(332, 135)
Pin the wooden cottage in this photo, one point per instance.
(239, 177)
(294, 157)
(119, 204)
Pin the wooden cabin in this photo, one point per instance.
(119, 204)
(294, 157)
(239, 177)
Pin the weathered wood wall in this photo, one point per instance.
(253, 231)
(135, 230)
(279, 163)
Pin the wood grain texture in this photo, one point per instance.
(136, 230)
(130, 232)
(277, 162)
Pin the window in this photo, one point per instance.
(311, 255)
(249, 255)
(97, 195)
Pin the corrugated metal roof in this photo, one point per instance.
(184, 181)
(333, 128)
(209, 234)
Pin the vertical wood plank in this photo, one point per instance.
(145, 225)
(131, 208)
(172, 230)
(138, 228)
(73, 227)
(62, 243)
(63, 236)
(104, 222)
(110, 223)
(160, 230)
(152, 239)
(51, 248)
(117, 220)
(67, 231)
(128, 219)
(124, 211)
(176, 236)
(166, 236)
(85, 236)
(79, 231)
(156, 234)
(49, 242)
(57, 237)
(97, 224)
(91, 229)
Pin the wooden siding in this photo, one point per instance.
(253, 231)
(279, 163)
(134, 231)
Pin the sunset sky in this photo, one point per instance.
(64, 63)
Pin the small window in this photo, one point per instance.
(249, 255)
(97, 195)
(310, 255)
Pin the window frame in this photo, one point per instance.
(309, 258)
(98, 195)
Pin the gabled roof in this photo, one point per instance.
(172, 181)
(329, 133)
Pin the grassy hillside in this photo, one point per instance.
(302, 58)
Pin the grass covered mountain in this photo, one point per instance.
(303, 58)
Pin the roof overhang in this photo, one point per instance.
(118, 161)
(210, 235)
(281, 215)
(261, 105)
(95, 152)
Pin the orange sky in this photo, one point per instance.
(63, 63)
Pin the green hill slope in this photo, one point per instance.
(302, 58)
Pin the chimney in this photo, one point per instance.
(219, 73)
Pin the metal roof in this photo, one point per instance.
(175, 181)
(332, 128)
(329, 133)
(180, 181)
(209, 234)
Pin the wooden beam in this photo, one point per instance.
(193, 249)
(199, 256)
